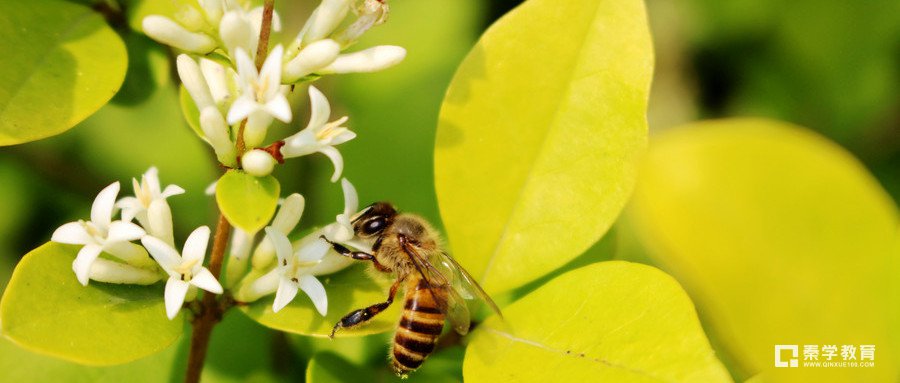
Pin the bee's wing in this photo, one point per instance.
(448, 299)
(463, 282)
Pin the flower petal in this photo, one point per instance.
(195, 246)
(151, 178)
(316, 292)
(282, 244)
(130, 206)
(289, 213)
(279, 108)
(120, 231)
(159, 217)
(287, 290)
(313, 251)
(82, 264)
(370, 60)
(351, 199)
(102, 209)
(246, 71)
(168, 32)
(206, 281)
(241, 108)
(193, 81)
(107, 271)
(321, 109)
(172, 190)
(271, 71)
(335, 156)
(72, 233)
(163, 253)
(175, 293)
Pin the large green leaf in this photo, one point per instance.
(607, 322)
(61, 63)
(247, 202)
(780, 236)
(46, 310)
(18, 365)
(539, 134)
(347, 290)
(441, 367)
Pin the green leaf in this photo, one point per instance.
(18, 365)
(347, 290)
(46, 310)
(441, 367)
(62, 63)
(780, 236)
(608, 322)
(247, 202)
(539, 135)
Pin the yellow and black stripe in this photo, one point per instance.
(419, 328)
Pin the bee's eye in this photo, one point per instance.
(374, 225)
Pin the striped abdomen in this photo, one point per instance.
(419, 328)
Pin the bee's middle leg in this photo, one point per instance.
(358, 255)
(358, 317)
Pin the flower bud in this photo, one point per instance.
(258, 163)
(237, 32)
(312, 58)
(370, 60)
(103, 270)
(289, 213)
(216, 77)
(168, 32)
(193, 81)
(324, 20)
(216, 132)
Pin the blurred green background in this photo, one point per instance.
(832, 66)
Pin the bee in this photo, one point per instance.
(436, 286)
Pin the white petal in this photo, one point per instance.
(102, 209)
(300, 144)
(313, 251)
(316, 292)
(193, 81)
(216, 79)
(82, 264)
(343, 137)
(321, 109)
(283, 248)
(206, 281)
(370, 60)
(236, 32)
(279, 108)
(130, 206)
(103, 270)
(195, 246)
(72, 233)
(351, 199)
(165, 255)
(258, 163)
(289, 213)
(172, 190)
(330, 264)
(257, 126)
(271, 71)
(216, 132)
(241, 109)
(171, 33)
(160, 225)
(335, 156)
(123, 232)
(325, 19)
(175, 292)
(151, 178)
(312, 58)
(246, 71)
(254, 289)
(287, 290)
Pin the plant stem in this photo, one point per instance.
(210, 311)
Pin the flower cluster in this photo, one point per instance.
(232, 95)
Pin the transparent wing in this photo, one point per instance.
(463, 282)
(448, 299)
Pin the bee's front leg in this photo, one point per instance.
(357, 255)
(358, 317)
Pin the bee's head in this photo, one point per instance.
(374, 219)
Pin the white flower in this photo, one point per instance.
(193, 80)
(285, 221)
(166, 31)
(369, 14)
(258, 163)
(149, 205)
(310, 59)
(319, 135)
(324, 20)
(100, 234)
(293, 271)
(341, 230)
(184, 269)
(261, 98)
(370, 60)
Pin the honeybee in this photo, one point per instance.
(436, 286)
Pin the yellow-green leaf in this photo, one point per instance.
(46, 310)
(442, 367)
(61, 63)
(780, 236)
(539, 134)
(347, 290)
(247, 202)
(607, 322)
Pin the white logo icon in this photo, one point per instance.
(795, 351)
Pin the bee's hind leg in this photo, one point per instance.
(358, 317)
